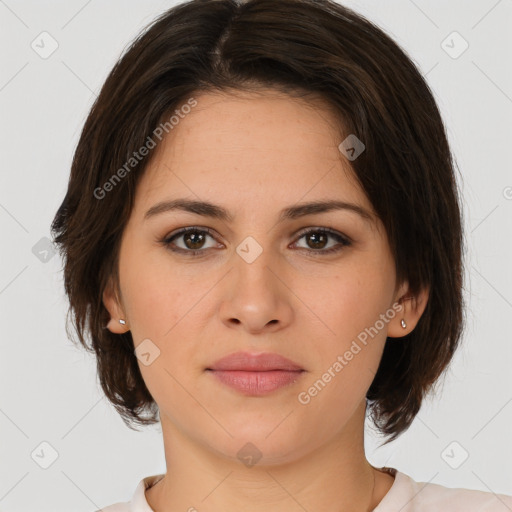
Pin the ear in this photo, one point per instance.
(115, 309)
(411, 309)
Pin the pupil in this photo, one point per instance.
(194, 237)
(318, 235)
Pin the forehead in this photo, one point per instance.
(260, 120)
(264, 144)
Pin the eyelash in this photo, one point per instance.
(345, 242)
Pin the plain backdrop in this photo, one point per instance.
(50, 400)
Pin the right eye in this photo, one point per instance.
(192, 238)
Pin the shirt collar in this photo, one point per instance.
(139, 503)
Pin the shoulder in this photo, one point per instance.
(407, 495)
(138, 502)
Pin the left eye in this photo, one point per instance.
(319, 236)
(194, 238)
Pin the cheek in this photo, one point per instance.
(154, 306)
(350, 355)
(168, 308)
(155, 294)
(352, 301)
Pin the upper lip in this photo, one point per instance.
(245, 361)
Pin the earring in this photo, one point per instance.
(402, 322)
(122, 322)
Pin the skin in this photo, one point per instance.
(255, 154)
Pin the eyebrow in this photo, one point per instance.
(214, 211)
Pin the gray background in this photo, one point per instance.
(48, 389)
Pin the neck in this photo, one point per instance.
(335, 476)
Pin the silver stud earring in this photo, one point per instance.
(122, 322)
(402, 322)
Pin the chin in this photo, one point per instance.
(253, 445)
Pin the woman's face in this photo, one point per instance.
(257, 283)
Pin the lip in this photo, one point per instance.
(255, 374)
(261, 362)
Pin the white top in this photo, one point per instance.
(405, 495)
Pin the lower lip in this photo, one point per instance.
(257, 383)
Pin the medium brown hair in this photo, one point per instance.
(308, 47)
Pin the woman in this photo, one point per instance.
(262, 238)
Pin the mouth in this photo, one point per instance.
(255, 374)
(256, 383)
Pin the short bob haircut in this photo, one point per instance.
(305, 49)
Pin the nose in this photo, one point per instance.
(256, 296)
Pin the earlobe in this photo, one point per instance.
(117, 323)
(407, 317)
